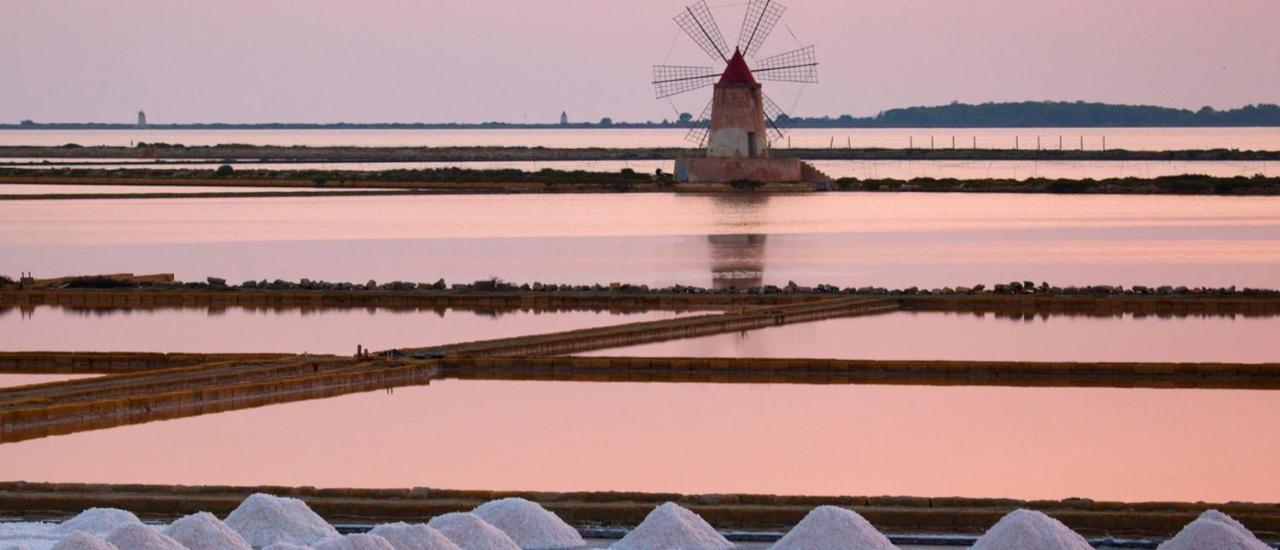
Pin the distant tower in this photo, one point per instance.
(564, 118)
(142, 119)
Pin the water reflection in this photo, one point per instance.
(737, 259)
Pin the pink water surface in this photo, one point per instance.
(1119, 444)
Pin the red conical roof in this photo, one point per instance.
(737, 72)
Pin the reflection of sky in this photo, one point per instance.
(849, 239)
(1108, 444)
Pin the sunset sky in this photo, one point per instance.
(526, 60)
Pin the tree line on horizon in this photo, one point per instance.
(1023, 114)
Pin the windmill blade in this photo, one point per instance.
(777, 120)
(794, 66)
(700, 128)
(697, 22)
(669, 80)
(761, 17)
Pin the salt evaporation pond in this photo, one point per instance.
(1027, 443)
(13, 380)
(967, 336)
(849, 239)
(338, 331)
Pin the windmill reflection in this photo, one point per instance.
(737, 259)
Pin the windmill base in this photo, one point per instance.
(763, 170)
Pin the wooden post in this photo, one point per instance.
(1015, 143)
(1059, 143)
(911, 142)
(931, 142)
(975, 142)
(953, 143)
(1081, 143)
(1104, 143)
(1037, 143)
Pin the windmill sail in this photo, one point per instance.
(794, 66)
(669, 80)
(697, 22)
(700, 127)
(762, 16)
(779, 122)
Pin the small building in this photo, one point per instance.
(142, 119)
(564, 118)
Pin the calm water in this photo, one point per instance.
(898, 335)
(949, 336)
(20, 189)
(898, 138)
(288, 331)
(863, 169)
(864, 440)
(12, 380)
(894, 240)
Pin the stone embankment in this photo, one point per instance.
(55, 362)
(122, 291)
(747, 512)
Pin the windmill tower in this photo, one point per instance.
(738, 124)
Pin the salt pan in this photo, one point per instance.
(833, 528)
(672, 526)
(286, 546)
(136, 536)
(265, 519)
(1022, 529)
(81, 540)
(416, 536)
(529, 524)
(1214, 530)
(204, 531)
(470, 532)
(98, 521)
(355, 542)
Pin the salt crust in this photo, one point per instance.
(529, 524)
(672, 526)
(142, 537)
(265, 519)
(204, 531)
(1023, 529)
(81, 540)
(1214, 530)
(833, 528)
(98, 521)
(286, 546)
(416, 536)
(470, 532)
(355, 542)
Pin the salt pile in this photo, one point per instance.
(98, 521)
(137, 536)
(671, 526)
(355, 542)
(529, 524)
(1214, 530)
(1022, 529)
(417, 536)
(833, 528)
(264, 519)
(470, 532)
(204, 531)
(81, 540)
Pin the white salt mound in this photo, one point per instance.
(265, 519)
(1022, 529)
(142, 537)
(204, 531)
(1214, 530)
(833, 528)
(355, 542)
(98, 521)
(416, 536)
(529, 524)
(672, 526)
(81, 540)
(470, 532)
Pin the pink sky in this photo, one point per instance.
(517, 60)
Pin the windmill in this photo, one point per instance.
(740, 120)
